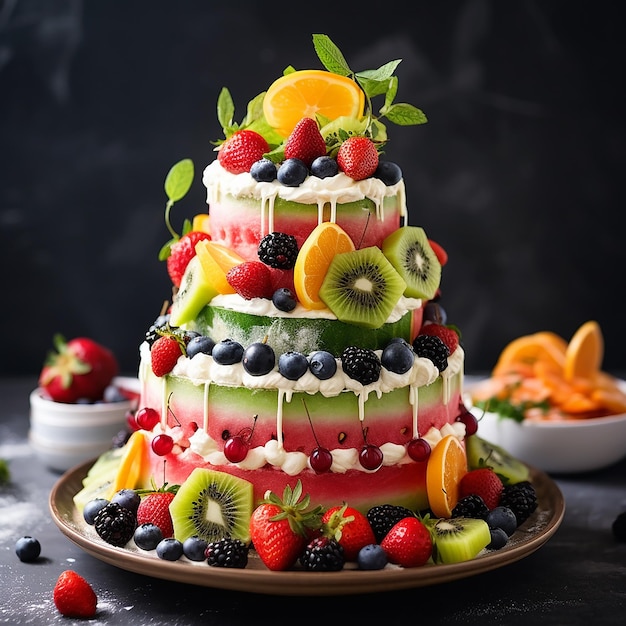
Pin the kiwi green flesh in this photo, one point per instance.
(458, 539)
(412, 256)
(194, 293)
(212, 505)
(362, 287)
(99, 481)
(483, 453)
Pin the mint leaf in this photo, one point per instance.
(330, 55)
(225, 110)
(382, 73)
(405, 115)
(178, 180)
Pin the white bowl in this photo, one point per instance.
(63, 435)
(559, 447)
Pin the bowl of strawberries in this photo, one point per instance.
(80, 405)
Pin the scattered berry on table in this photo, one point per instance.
(73, 596)
(27, 549)
(227, 552)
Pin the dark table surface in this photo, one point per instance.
(577, 577)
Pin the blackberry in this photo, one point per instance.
(323, 555)
(361, 364)
(471, 506)
(521, 498)
(278, 250)
(432, 348)
(115, 524)
(161, 323)
(227, 552)
(383, 517)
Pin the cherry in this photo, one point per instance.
(147, 418)
(236, 449)
(131, 421)
(371, 457)
(162, 445)
(321, 459)
(469, 419)
(419, 449)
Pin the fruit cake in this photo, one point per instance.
(305, 339)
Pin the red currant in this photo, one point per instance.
(162, 445)
(419, 449)
(321, 459)
(469, 419)
(235, 449)
(147, 418)
(371, 457)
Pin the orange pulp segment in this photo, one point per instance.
(318, 250)
(446, 466)
(216, 261)
(307, 92)
(130, 469)
(522, 353)
(200, 223)
(584, 353)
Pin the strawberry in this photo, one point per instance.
(447, 334)
(73, 595)
(350, 528)
(357, 157)
(154, 508)
(181, 252)
(80, 369)
(241, 150)
(408, 543)
(305, 142)
(280, 528)
(251, 279)
(483, 482)
(440, 252)
(164, 354)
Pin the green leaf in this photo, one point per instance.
(330, 55)
(373, 88)
(383, 73)
(225, 109)
(390, 96)
(254, 111)
(179, 179)
(405, 115)
(165, 251)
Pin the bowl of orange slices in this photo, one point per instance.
(549, 403)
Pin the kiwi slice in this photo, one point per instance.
(337, 131)
(361, 287)
(194, 293)
(483, 453)
(100, 479)
(409, 251)
(458, 539)
(212, 505)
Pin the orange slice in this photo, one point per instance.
(307, 92)
(318, 250)
(200, 223)
(584, 353)
(523, 353)
(131, 466)
(446, 466)
(216, 260)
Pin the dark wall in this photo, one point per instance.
(518, 173)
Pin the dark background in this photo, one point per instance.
(518, 173)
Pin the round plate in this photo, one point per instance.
(257, 578)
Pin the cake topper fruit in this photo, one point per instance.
(79, 369)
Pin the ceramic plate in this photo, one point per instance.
(257, 578)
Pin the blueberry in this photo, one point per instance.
(389, 172)
(194, 547)
(324, 167)
(292, 172)
(397, 357)
(322, 364)
(169, 549)
(201, 344)
(258, 359)
(498, 539)
(263, 171)
(284, 300)
(371, 557)
(91, 509)
(128, 498)
(27, 549)
(292, 365)
(227, 352)
(147, 536)
(502, 517)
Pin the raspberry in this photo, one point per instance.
(521, 498)
(447, 334)
(361, 364)
(278, 250)
(251, 279)
(432, 348)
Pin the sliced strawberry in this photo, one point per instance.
(251, 279)
(241, 150)
(357, 157)
(305, 142)
(440, 252)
